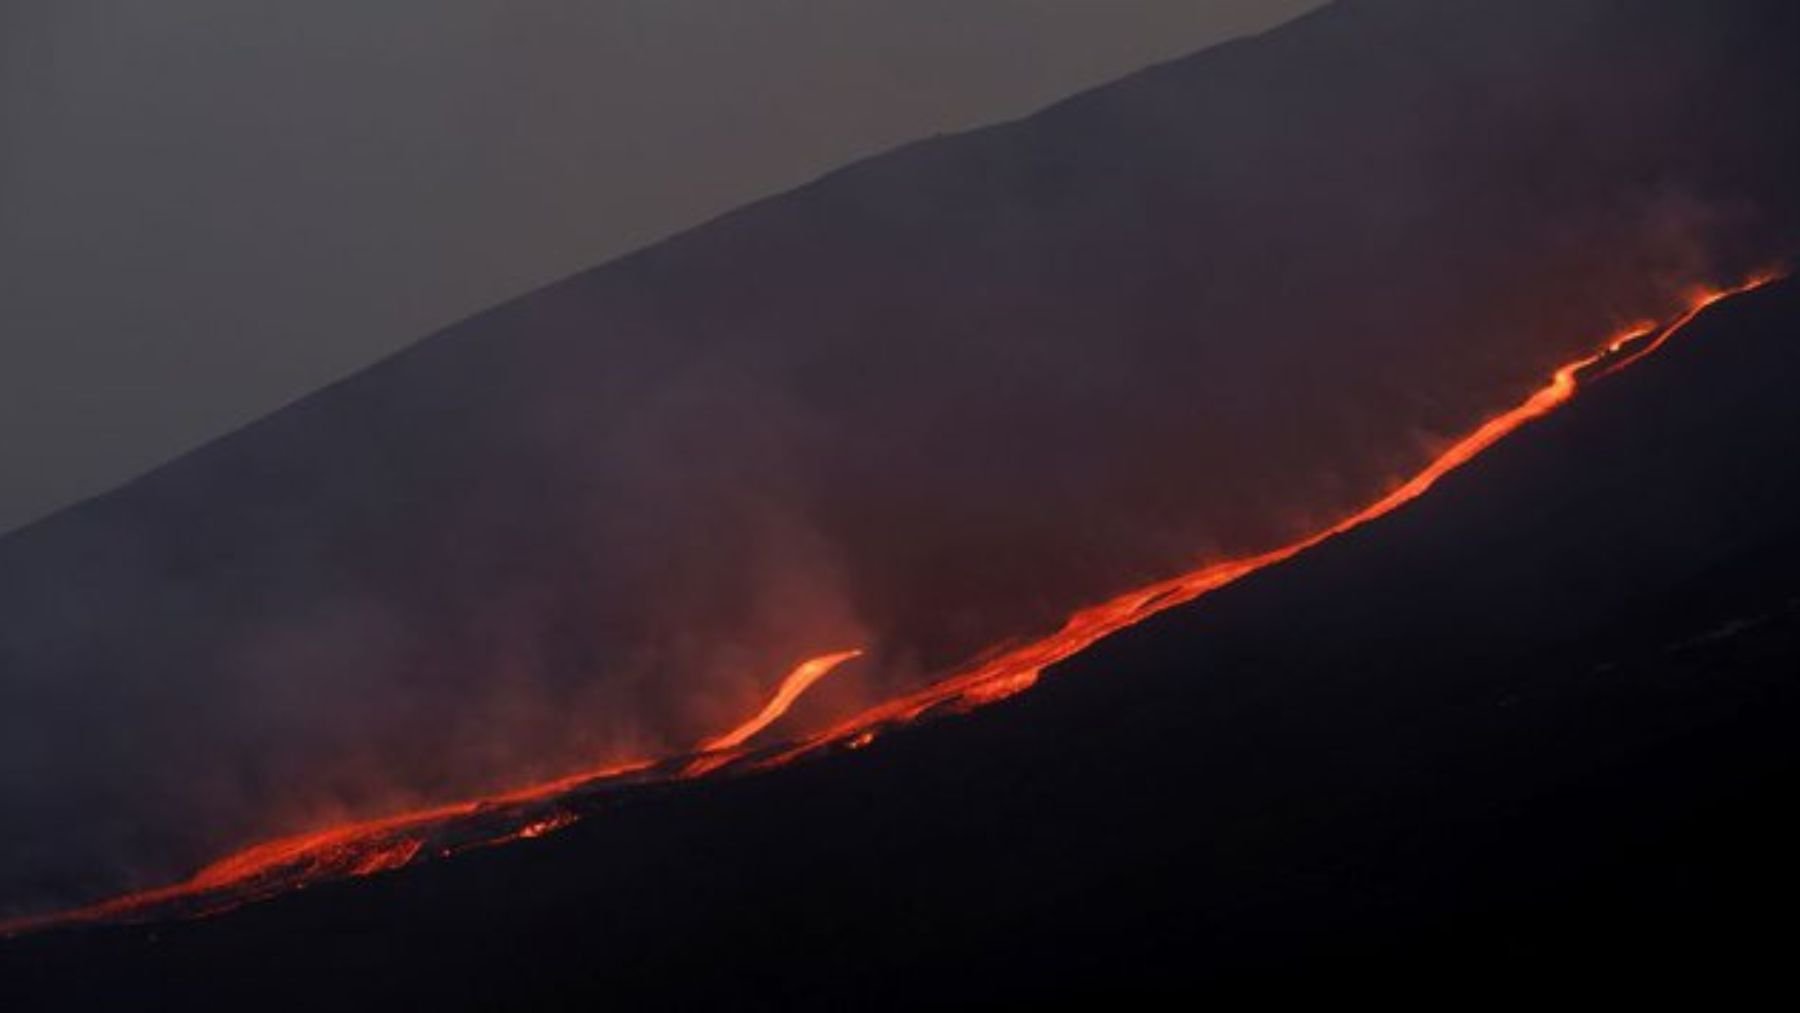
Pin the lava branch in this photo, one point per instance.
(722, 750)
(378, 845)
(1699, 300)
(797, 682)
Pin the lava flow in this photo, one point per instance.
(372, 846)
(798, 681)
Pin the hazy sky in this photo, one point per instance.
(211, 207)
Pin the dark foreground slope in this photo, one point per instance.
(1534, 730)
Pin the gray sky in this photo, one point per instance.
(211, 207)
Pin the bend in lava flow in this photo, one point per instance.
(371, 846)
(798, 681)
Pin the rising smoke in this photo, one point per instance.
(929, 402)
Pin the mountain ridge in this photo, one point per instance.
(607, 513)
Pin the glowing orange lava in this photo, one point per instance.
(723, 750)
(1699, 299)
(798, 681)
(378, 845)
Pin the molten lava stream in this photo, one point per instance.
(389, 843)
(1015, 670)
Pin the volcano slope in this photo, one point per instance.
(1534, 729)
(929, 402)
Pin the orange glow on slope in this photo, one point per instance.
(371, 846)
(722, 750)
(797, 682)
(1699, 299)
(352, 849)
(1017, 669)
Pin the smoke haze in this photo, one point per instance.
(929, 401)
(209, 208)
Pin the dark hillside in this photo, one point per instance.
(929, 401)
